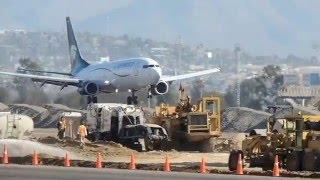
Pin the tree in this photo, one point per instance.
(4, 95)
(260, 91)
(28, 92)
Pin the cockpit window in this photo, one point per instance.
(149, 66)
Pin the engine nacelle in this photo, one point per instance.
(88, 88)
(160, 88)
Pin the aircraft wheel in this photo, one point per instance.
(129, 100)
(94, 99)
(89, 99)
(135, 100)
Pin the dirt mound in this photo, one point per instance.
(224, 145)
(111, 144)
(90, 150)
(19, 148)
(220, 144)
(48, 140)
(243, 119)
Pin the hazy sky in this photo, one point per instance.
(261, 27)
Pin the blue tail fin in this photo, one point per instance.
(77, 63)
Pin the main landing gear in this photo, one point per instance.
(132, 100)
(92, 99)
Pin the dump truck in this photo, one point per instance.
(294, 138)
(125, 124)
(191, 127)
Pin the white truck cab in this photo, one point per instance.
(106, 120)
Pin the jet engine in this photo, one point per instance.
(160, 88)
(88, 88)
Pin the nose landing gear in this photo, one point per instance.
(132, 100)
(92, 99)
(149, 97)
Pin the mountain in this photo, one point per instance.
(260, 27)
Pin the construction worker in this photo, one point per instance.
(82, 132)
(61, 127)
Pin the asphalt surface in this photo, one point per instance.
(75, 173)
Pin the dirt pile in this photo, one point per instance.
(243, 119)
(224, 145)
(19, 148)
(48, 140)
(90, 150)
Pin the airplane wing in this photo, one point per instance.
(45, 79)
(47, 72)
(190, 75)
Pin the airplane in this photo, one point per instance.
(108, 77)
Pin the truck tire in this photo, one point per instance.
(233, 159)
(309, 161)
(294, 161)
(268, 160)
(317, 161)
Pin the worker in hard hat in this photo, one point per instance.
(82, 132)
(61, 127)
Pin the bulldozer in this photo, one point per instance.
(191, 126)
(294, 138)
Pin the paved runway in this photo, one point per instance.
(73, 173)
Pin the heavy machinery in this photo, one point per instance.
(294, 138)
(105, 120)
(15, 126)
(191, 127)
(144, 137)
(124, 124)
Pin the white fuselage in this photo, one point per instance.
(122, 75)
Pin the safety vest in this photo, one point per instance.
(62, 124)
(82, 130)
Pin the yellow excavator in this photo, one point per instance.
(295, 139)
(191, 126)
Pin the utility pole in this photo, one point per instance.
(237, 50)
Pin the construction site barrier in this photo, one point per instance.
(66, 161)
(35, 158)
(239, 165)
(167, 165)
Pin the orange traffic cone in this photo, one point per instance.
(35, 159)
(5, 159)
(99, 159)
(276, 168)
(239, 165)
(67, 160)
(167, 166)
(203, 166)
(133, 162)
